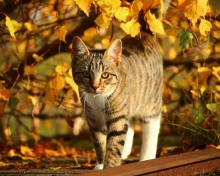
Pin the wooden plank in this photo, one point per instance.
(180, 164)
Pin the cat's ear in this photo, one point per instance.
(114, 51)
(79, 48)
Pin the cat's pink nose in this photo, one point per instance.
(95, 85)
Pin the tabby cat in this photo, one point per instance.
(117, 85)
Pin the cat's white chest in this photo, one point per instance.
(96, 104)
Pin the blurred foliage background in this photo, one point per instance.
(39, 99)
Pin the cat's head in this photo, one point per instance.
(96, 71)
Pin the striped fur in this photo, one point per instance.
(117, 85)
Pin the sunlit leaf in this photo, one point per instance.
(58, 82)
(132, 27)
(26, 151)
(136, 6)
(155, 25)
(213, 107)
(84, 5)
(204, 72)
(49, 96)
(10, 26)
(123, 14)
(74, 86)
(37, 58)
(216, 72)
(185, 38)
(103, 20)
(29, 70)
(62, 68)
(108, 6)
(204, 27)
(193, 9)
(61, 32)
(150, 4)
(30, 27)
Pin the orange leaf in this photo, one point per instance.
(150, 4)
(5, 94)
(61, 32)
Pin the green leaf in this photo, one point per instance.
(13, 102)
(10, 26)
(212, 107)
(185, 38)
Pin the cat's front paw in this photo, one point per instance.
(98, 166)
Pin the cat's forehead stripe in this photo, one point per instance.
(96, 62)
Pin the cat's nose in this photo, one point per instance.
(95, 85)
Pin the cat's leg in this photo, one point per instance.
(128, 140)
(150, 132)
(116, 135)
(99, 140)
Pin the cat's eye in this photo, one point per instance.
(86, 74)
(105, 75)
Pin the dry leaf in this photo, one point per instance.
(58, 82)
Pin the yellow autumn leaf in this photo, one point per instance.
(62, 68)
(37, 58)
(26, 151)
(135, 8)
(216, 72)
(193, 9)
(16, 25)
(50, 95)
(103, 20)
(122, 14)
(204, 72)
(204, 27)
(74, 86)
(84, 5)
(58, 82)
(108, 6)
(29, 70)
(150, 4)
(132, 27)
(61, 32)
(155, 25)
(30, 27)
(10, 26)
